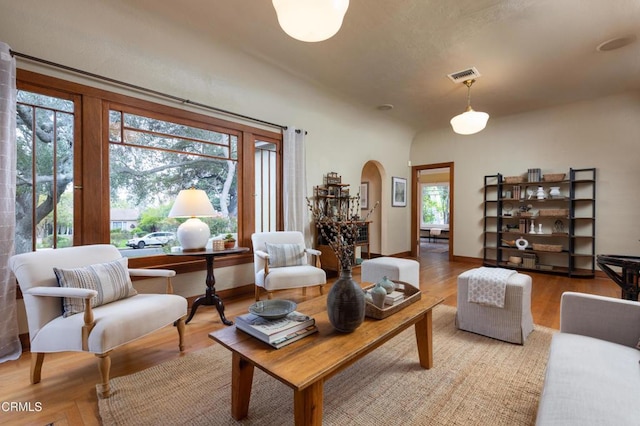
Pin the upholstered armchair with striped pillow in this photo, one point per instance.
(281, 261)
(82, 299)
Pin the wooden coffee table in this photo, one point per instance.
(306, 364)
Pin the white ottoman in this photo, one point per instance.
(512, 323)
(395, 268)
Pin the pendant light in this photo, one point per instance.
(470, 121)
(310, 20)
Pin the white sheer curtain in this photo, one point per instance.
(294, 183)
(10, 348)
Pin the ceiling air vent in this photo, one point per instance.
(464, 75)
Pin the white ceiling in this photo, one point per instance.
(531, 53)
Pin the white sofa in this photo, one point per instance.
(593, 372)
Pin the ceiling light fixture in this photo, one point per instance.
(470, 121)
(310, 20)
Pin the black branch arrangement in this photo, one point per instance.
(341, 232)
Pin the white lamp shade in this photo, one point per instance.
(469, 122)
(193, 235)
(310, 20)
(192, 203)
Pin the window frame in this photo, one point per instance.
(30, 86)
(91, 163)
(420, 192)
(279, 219)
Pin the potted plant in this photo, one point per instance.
(229, 241)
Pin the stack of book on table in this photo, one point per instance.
(394, 297)
(277, 332)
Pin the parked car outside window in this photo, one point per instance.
(152, 239)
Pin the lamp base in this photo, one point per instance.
(193, 235)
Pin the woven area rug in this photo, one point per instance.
(475, 381)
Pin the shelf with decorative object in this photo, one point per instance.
(554, 213)
(336, 207)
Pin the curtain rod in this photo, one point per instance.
(143, 89)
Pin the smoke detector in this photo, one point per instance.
(464, 75)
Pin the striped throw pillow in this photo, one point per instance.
(111, 280)
(281, 255)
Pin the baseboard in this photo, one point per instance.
(466, 259)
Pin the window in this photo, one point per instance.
(98, 167)
(435, 204)
(118, 226)
(151, 160)
(45, 169)
(266, 173)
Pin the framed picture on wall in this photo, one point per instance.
(399, 192)
(364, 195)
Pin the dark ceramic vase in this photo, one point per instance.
(345, 303)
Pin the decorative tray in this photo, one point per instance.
(411, 295)
(273, 309)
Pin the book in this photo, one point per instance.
(294, 336)
(393, 297)
(270, 330)
(284, 340)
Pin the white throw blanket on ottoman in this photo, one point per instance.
(512, 322)
(488, 286)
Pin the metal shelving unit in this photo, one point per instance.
(564, 222)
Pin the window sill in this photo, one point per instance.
(185, 264)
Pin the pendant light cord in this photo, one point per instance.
(468, 83)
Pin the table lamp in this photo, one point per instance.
(193, 234)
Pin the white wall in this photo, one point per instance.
(110, 39)
(601, 133)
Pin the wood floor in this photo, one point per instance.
(67, 391)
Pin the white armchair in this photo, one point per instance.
(88, 276)
(281, 261)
